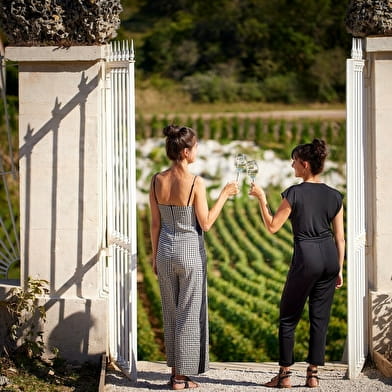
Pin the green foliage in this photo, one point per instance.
(24, 317)
(209, 87)
(146, 345)
(271, 129)
(259, 131)
(328, 75)
(235, 127)
(282, 88)
(210, 47)
(224, 137)
(140, 125)
(159, 158)
(149, 279)
(55, 375)
(200, 128)
(282, 132)
(214, 127)
(306, 132)
(156, 127)
(227, 342)
(245, 129)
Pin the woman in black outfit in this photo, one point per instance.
(317, 262)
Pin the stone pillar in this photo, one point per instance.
(379, 159)
(61, 190)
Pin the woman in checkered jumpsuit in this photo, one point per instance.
(180, 214)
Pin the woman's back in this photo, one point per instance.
(173, 188)
(173, 194)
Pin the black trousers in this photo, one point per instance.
(313, 272)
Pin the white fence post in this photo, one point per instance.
(121, 206)
(356, 230)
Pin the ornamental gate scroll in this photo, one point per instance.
(119, 125)
(9, 177)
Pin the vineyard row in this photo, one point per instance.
(272, 133)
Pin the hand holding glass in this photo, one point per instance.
(240, 164)
(252, 169)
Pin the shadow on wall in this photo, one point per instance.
(73, 334)
(382, 323)
(5, 319)
(71, 330)
(32, 139)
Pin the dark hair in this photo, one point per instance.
(178, 138)
(314, 153)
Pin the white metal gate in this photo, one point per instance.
(121, 205)
(9, 231)
(356, 229)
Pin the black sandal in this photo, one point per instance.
(277, 381)
(186, 381)
(311, 373)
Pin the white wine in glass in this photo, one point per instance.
(252, 169)
(240, 164)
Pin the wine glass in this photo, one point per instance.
(240, 164)
(252, 169)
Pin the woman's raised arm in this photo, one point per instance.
(272, 222)
(205, 216)
(155, 225)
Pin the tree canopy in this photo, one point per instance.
(244, 49)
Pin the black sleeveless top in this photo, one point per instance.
(313, 207)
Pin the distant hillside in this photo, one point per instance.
(252, 50)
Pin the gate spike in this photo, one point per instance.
(132, 52)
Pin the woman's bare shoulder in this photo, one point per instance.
(199, 185)
(199, 181)
(161, 175)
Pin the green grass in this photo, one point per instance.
(168, 98)
(32, 375)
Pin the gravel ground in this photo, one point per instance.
(247, 377)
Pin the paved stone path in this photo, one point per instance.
(247, 377)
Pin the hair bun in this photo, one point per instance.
(171, 131)
(320, 147)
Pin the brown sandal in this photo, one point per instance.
(174, 381)
(281, 380)
(171, 381)
(312, 380)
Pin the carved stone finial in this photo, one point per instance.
(369, 17)
(59, 22)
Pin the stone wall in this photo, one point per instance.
(378, 146)
(59, 22)
(60, 159)
(369, 17)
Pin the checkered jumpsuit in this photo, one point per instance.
(181, 265)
